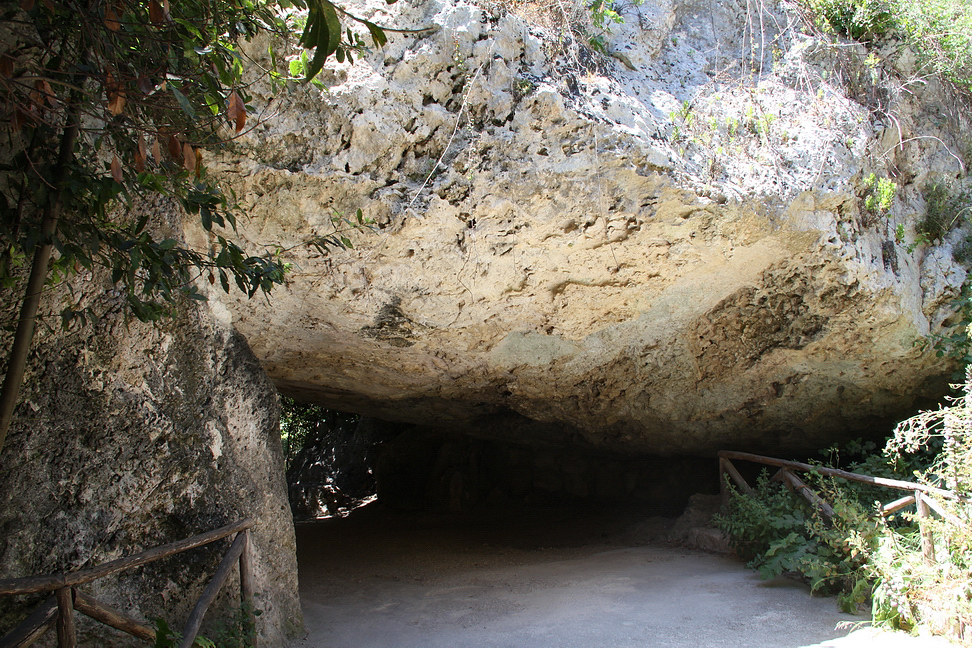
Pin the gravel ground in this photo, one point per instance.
(546, 578)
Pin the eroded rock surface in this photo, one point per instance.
(671, 249)
(131, 436)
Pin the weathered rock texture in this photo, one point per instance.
(130, 436)
(665, 250)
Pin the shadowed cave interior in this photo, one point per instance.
(347, 461)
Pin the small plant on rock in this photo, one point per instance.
(857, 19)
(945, 208)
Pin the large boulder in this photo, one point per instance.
(674, 248)
(130, 436)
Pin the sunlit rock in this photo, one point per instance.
(672, 248)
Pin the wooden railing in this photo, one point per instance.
(921, 495)
(59, 608)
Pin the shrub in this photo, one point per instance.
(940, 594)
(754, 524)
(779, 533)
(861, 556)
(946, 207)
(857, 19)
(941, 33)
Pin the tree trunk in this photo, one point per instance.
(17, 362)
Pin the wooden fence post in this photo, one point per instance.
(195, 620)
(67, 636)
(246, 584)
(723, 486)
(927, 537)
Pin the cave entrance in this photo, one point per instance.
(338, 462)
(422, 536)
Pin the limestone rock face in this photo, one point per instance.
(131, 436)
(674, 248)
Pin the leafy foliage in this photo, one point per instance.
(879, 194)
(235, 631)
(938, 594)
(149, 86)
(939, 31)
(857, 19)
(753, 524)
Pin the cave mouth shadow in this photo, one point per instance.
(348, 462)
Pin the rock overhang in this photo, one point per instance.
(649, 258)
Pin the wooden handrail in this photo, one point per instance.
(898, 504)
(834, 472)
(39, 621)
(919, 493)
(59, 609)
(99, 611)
(808, 493)
(209, 594)
(51, 582)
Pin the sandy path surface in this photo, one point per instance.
(554, 579)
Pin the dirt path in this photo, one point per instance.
(544, 579)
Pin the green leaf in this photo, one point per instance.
(323, 34)
(189, 26)
(213, 104)
(140, 225)
(377, 34)
(183, 102)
